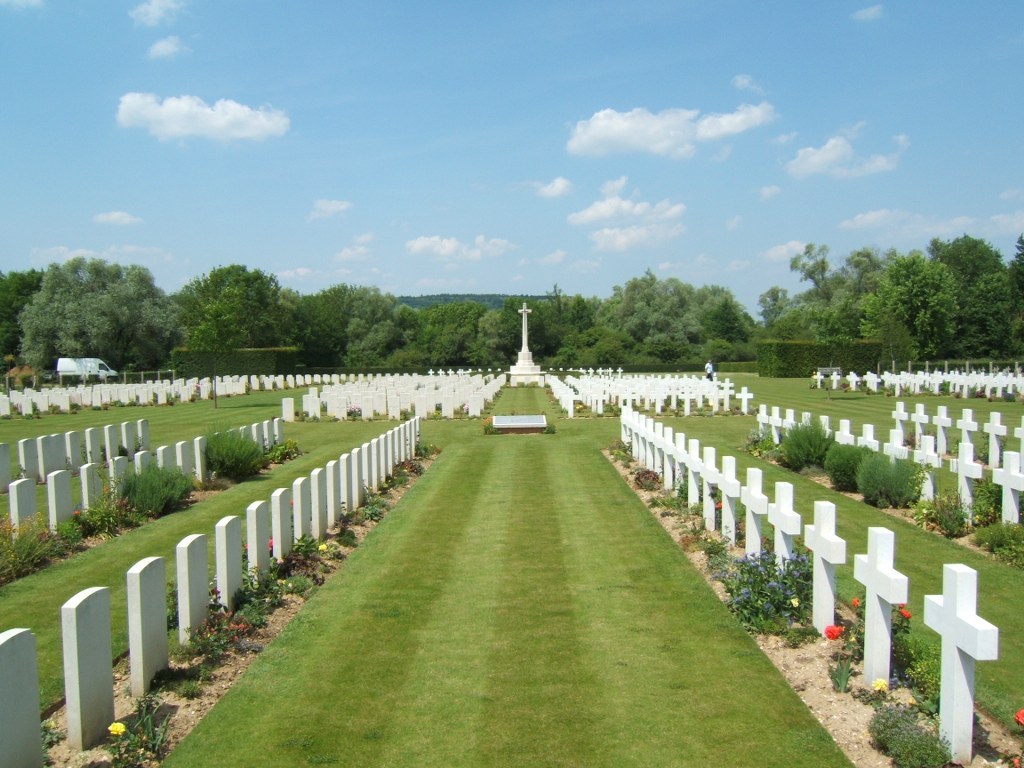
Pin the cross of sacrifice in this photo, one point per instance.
(942, 422)
(694, 469)
(996, 431)
(930, 460)
(920, 419)
(785, 520)
(730, 487)
(966, 638)
(709, 481)
(967, 471)
(885, 587)
(901, 416)
(1009, 476)
(745, 397)
(756, 503)
(829, 551)
(525, 312)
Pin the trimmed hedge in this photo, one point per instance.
(799, 359)
(271, 361)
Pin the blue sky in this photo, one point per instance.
(504, 147)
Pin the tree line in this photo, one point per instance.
(957, 299)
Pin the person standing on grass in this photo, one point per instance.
(709, 369)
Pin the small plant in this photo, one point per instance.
(987, 507)
(142, 739)
(842, 670)
(805, 445)
(282, 452)
(1004, 540)
(156, 491)
(646, 479)
(621, 452)
(898, 733)
(841, 465)
(374, 506)
(26, 549)
(945, 514)
(767, 597)
(760, 444)
(886, 483)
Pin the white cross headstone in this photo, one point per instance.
(775, 422)
(745, 397)
(694, 468)
(966, 638)
(845, 436)
(967, 471)
(885, 587)
(967, 425)
(709, 481)
(730, 487)
(895, 449)
(929, 460)
(942, 422)
(786, 522)
(996, 432)
(921, 419)
(756, 503)
(867, 437)
(901, 417)
(1010, 477)
(829, 551)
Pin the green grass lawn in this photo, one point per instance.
(518, 607)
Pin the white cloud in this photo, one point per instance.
(299, 273)
(635, 236)
(121, 254)
(555, 257)
(906, 226)
(326, 209)
(837, 158)
(166, 48)
(873, 219)
(155, 12)
(768, 192)
(618, 208)
(871, 13)
(559, 187)
(785, 138)
(118, 218)
(746, 83)
(358, 250)
(178, 117)
(672, 132)
(1013, 193)
(785, 251)
(1008, 223)
(451, 249)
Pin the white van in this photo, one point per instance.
(84, 367)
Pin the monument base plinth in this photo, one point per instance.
(521, 375)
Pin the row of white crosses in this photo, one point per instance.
(86, 623)
(656, 393)
(930, 450)
(966, 638)
(965, 384)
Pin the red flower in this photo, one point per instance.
(833, 631)
(856, 602)
(1019, 717)
(905, 613)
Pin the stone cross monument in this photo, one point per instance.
(525, 371)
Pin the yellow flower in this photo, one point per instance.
(795, 602)
(117, 729)
(880, 685)
(322, 547)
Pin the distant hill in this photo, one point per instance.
(489, 300)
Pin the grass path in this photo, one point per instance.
(519, 607)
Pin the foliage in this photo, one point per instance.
(282, 452)
(842, 463)
(26, 550)
(143, 739)
(796, 359)
(108, 516)
(621, 452)
(646, 479)
(987, 506)
(95, 309)
(945, 514)
(218, 635)
(375, 506)
(760, 444)
(16, 291)
(233, 455)
(886, 483)
(1004, 540)
(897, 732)
(766, 597)
(805, 445)
(156, 491)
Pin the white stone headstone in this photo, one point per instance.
(829, 551)
(88, 667)
(193, 584)
(20, 734)
(257, 536)
(885, 588)
(281, 522)
(756, 504)
(228, 547)
(147, 622)
(786, 522)
(1010, 477)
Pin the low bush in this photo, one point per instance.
(282, 452)
(897, 732)
(766, 597)
(805, 445)
(234, 456)
(945, 514)
(987, 507)
(646, 479)
(26, 549)
(887, 483)
(108, 516)
(761, 445)
(1004, 540)
(156, 491)
(842, 463)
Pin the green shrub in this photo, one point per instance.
(108, 516)
(1004, 540)
(842, 463)
(231, 455)
(155, 491)
(988, 502)
(805, 445)
(887, 483)
(765, 597)
(897, 732)
(945, 514)
(25, 551)
(282, 452)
